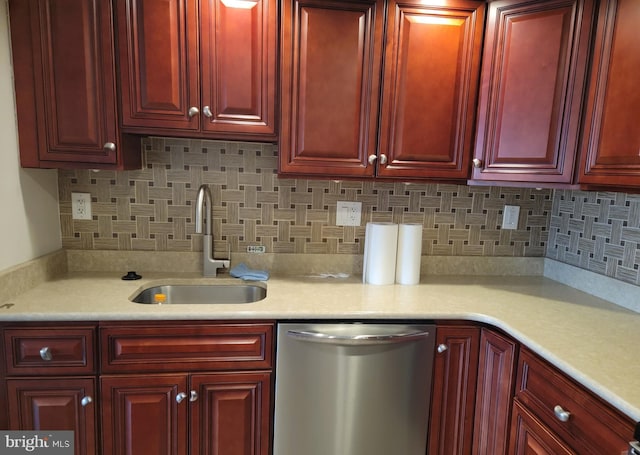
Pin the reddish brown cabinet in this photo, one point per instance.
(455, 372)
(51, 381)
(198, 68)
(203, 387)
(611, 137)
(431, 68)
(551, 410)
(531, 91)
(64, 75)
(332, 77)
(496, 379)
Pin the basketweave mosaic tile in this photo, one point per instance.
(153, 208)
(597, 231)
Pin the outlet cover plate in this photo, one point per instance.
(81, 206)
(349, 213)
(510, 217)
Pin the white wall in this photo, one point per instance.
(29, 216)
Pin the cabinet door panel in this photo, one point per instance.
(530, 437)
(611, 139)
(330, 81)
(432, 67)
(55, 404)
(158, 71)
(71, 76)
(238, 46)
(140, 415)
(231, 414)
(454, 384)
(531, 90)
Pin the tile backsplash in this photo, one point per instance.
(153, 209)
(597, 231)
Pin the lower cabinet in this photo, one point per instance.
(55, 404)
(215, 413)
(552, 414)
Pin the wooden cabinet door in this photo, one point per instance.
(454, 383)
(232, 413)
(159, 64)
(431, 70)
(55, 404)
(496, 381)
(611, 137)
(64, 71)
(530, 437)
(330, 79)
(532, 81)
(238, 53)
(141, 414)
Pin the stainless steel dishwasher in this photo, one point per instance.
(353, 389)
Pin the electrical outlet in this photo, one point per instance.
(348, 213)
(81, 206)
(510, 217)
(256, 249)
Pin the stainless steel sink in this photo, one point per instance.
(202, 294)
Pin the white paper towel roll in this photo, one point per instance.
(380, 247)
(409, 253)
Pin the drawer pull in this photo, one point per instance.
(86, 400)
(193, 396)
(441, 348)
(45, 353)
(561, 414)
(181, 396)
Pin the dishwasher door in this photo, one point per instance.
(353, 389)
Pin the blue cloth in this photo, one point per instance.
(245, 273)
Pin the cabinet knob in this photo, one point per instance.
(383, 158)
(193, 111)
(181, 396)
(207, 111)
(372, 159)
(45, 353)
(441, 348)
(86, 400)
(193, 396)
(561, 414)
(110, 147)
(477, 163)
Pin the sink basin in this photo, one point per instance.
(202, 294)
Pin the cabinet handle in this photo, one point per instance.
(86, 400)
(372, 159)
(561, 414)
(477, 163)
(45, 353)
(110, 147)
(181, 396)
(193, 111)
(383, 158)
(441, 348)
(193, 396)
(207, 111)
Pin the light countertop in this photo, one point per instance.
(590, 339)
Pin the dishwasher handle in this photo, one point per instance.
(360, 340)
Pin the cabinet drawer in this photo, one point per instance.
(593, 427)
(60, 350)
(179, 347)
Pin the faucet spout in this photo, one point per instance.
(204, 226)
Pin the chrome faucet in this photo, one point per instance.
(204, 226)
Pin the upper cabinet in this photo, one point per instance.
(344, 115)
(531, 91)
(64, 76)
(611, 137)
(198, 68)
